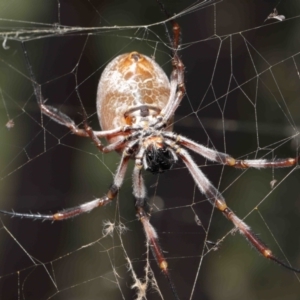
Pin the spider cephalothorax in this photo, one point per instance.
(158, 159)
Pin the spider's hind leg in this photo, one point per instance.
(88, 206)
(139, 192)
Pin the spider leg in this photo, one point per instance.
(177, 90)
(111, 147)
(139, 192)
(88, 206)
(177, 86)
(217, 200)
(62, 119)
(226, 159)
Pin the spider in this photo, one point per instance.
(136, 103)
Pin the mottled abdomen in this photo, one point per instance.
(128, 81)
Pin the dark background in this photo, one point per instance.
(44, 168)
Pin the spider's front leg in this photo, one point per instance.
(218, 201)
(228, 160)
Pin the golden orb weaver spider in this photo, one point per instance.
(135, 104)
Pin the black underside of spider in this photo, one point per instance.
(159, 160)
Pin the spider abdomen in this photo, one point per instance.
(132, 84)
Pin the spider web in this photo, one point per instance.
(243, 89)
